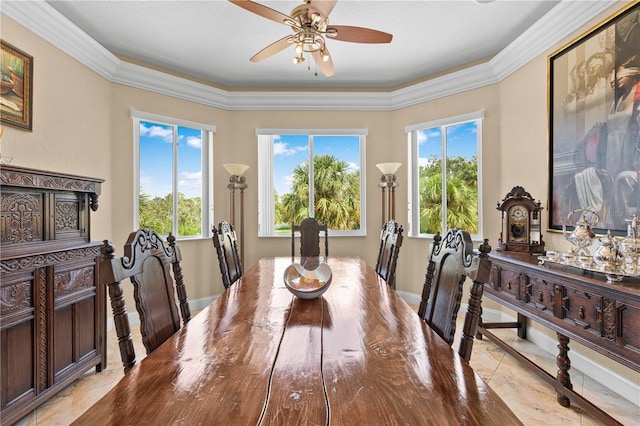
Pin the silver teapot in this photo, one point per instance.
(581, 235)
(608, 256)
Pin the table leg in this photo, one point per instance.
(522, 326)
(564, 364)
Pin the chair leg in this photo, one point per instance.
(474, 310)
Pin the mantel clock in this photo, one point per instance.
(520, 223)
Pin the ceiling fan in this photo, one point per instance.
(310, 24)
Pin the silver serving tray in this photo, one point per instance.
(612, 272)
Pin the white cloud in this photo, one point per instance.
(425, 135)
(192, 175)
(282, 148)
(352, 167)
(190, 180)
(165, 133)
(424, 162)
(194, 142)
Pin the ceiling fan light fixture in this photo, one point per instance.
(310, 24)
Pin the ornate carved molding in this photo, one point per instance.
(41, 318)
(15, 297)
(69, 281)
(54, 258)
(608, 319)
(14, 176)
(29, 178)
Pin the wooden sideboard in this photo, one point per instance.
(52, 315)
(577, 304)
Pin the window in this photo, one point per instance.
(445, 181)
(327, 161)
(172, 178)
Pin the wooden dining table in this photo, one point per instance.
(257, 355)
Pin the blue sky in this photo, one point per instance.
(156, 160)
(291, 150)
(461, 141)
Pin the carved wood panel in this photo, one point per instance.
(583, 309)
(21, 217)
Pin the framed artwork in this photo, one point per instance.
(594, 122)
(16, 91)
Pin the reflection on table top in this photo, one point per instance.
(257, 355)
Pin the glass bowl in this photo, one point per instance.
(308, 279)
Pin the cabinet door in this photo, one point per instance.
(70, 214)
(74, 338)
(23, 336)
(22, 217)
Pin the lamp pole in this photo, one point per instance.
(237, 183)
(388, 187)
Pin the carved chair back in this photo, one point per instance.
(226, 244)
(147, 262)
(451, 260)
(309, 230)
(390, 243)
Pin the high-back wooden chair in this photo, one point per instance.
(226, 244)
(309, 230)
(147, 263)
(451, 261)
(390, 243)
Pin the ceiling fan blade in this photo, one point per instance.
(357, 34)
(325, 66)
(323, 6)
(262, 10)
(272, 49)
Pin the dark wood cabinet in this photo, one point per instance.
(577, 304)
(52, 315)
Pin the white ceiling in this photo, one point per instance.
(213, 40)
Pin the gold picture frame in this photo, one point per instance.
(16, 91)
(594, 102)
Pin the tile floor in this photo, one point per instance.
(530, 398)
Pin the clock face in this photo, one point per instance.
(518, 214)
(518, 218)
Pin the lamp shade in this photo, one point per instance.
(388, 168)
(236, 169)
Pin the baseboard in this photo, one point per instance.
(601, 374)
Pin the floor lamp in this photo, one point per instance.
(388, 185)
(237, 183)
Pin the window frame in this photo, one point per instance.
(207, 132)
(266, 185)
(413, 169)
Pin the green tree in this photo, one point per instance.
(336, 194)
(462, 195)
(157, 214)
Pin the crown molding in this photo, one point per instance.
(43, 20)
(565, 18)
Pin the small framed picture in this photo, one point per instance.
(16, 91)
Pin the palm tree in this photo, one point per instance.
(336, 194)
(462, 195)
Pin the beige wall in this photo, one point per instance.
(71, 119)
(82, 126)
